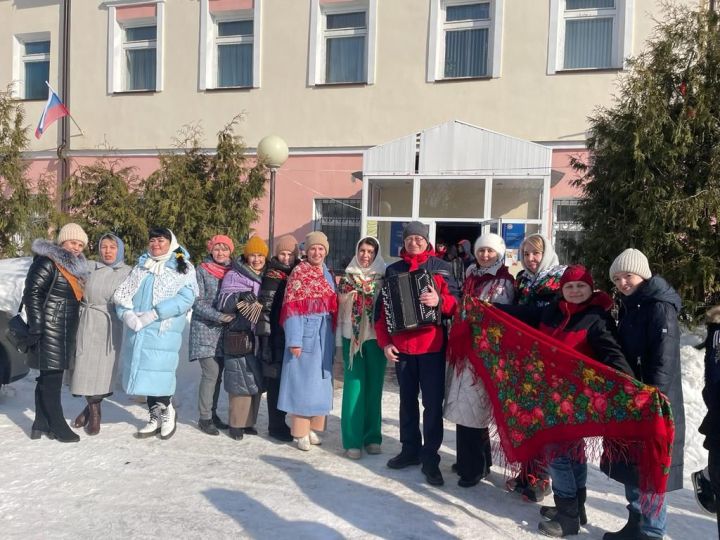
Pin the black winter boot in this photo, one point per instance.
(40, 426)
(631, 530)
(566, 522)
(52, 405)
(217, 422)
(549, 512)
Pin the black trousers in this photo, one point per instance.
(714, 470)
(424, 373)
(154, 400)
(474, 454)
(276, 417)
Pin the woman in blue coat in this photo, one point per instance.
(153, 302)
(308, 316)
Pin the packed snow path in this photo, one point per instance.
(198, 486)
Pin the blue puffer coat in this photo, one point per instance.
(150, 356)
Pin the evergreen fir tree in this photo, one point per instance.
(653, 177)
(198, 195)
(26, 210)
(103, 198)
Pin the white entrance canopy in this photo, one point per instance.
(456, 173)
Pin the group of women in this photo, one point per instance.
(273, 325)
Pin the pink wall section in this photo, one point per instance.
(127, 13)
(561, 164)
(216, 6)
(299, 181)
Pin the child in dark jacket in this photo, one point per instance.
(580, 319)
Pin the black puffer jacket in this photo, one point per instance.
(650, 339)
(710, 426)
(52, 310)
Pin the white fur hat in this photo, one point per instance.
(492, 241)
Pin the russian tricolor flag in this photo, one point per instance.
(54, 109)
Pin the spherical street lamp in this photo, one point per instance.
(273, 151)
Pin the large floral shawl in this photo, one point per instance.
(544, 393)
(308, 293)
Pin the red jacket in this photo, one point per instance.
(428, 339)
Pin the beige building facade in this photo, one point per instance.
(334, 78)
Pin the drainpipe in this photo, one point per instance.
(64, 73)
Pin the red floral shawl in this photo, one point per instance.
(308, 293)
(544, 393)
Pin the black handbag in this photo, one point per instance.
(237, 343)
(18, 332)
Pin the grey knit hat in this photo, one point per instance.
(632, 261)
(416, 228)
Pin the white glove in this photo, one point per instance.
(132, 321)
(147, 317)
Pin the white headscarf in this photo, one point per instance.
(156, 265)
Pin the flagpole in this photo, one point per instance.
(68, 110)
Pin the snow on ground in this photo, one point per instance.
(198, 486)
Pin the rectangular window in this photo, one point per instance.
(452, 198)
(140, 52)
(135, 46)
(344, 40)
(36, 69)
(567, 231)
(467, 28)
(234, 44)
(390, 198)
(590, 34)
(465, 39)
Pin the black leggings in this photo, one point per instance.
(154, 400)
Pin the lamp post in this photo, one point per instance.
(273, 151)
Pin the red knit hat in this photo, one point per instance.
(577, 272)
(220, 239)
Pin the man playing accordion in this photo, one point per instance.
(419, 354)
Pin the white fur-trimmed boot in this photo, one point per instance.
(169, 421)
(153, 426)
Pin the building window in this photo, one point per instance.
(36, 69)
(342, 44)
(135, 46)
(567, 231)
(234, 50)
(140, 55)
(30, 65)
(340, 220)
(230, 45)
(465, 39)
(589, 34)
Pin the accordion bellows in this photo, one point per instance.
(401, 301)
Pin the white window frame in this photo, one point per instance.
(208, 72)
(318, 35)
(19, 58)
(623, 15)
(438, 27)
(116, 45)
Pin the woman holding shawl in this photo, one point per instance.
(206, 327)
(364, 361)
(466, 401)
(650, 338)
(537, 284)
(100, 333)
(243, 371)
(153, 302)
(53, 290)
(580, 319)
(308, 317)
